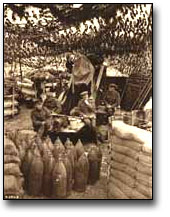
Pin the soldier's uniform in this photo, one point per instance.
(41, 120)
(112, 98)
(86, 108)
(53, 105)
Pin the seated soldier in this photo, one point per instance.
(112, 99)
(85, 109)
(41, 119)
(53, 105)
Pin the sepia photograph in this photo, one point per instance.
(77, 101)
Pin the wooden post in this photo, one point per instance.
(92, 87)
(11, 65)
(73, 88)
(99, 78)
(20, 68)
(13, 100)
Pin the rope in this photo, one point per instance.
(149, 88)
(137, 101)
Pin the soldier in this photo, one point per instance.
(41, 119)
(69, 63)
(112, 98)
(53, 105)
(86, 109)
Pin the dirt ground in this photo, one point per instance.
(97, 191)
(20, 121)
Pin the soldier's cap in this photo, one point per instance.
(91, 97)
(38, 101)
(113, 85)
(84, 93)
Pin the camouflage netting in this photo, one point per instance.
(123, 31)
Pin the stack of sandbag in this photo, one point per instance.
(131, 162)
(27, 88)
(23, 139)
(10, 105)
(13, 178)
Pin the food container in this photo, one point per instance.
(74, 122)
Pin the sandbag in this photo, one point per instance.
(12, 169)
(143, 168)
(145, 159)
(126, 131)
(126, 151)
(116, 140)
(144, 179)
(29, 92)
(132, 193)
(9, 104)
(147, 191)
(12, 135)
(9, 111)
(115, 193)
(12, 159)
(125, 178)
(124, 168)
(147, 148)
(10, 149)
(13, 185)
(127, 143)
(7, 140)
(123, 159)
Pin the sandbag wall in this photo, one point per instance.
(10, 105)
(130, 174)
(13, 178)
(27, 88)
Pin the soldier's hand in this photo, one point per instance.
(43, 122)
